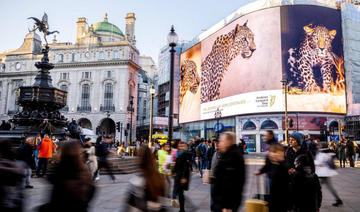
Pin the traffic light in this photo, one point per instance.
(291, 123)
(118, 126)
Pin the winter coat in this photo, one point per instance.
(102, 150)
(46, 148)
(342, 151)
(182, 169)
(322, 165)
(279, 187)
(162, 155)
(350, 149)
(291, 155)
(229, 179)
(25, 153)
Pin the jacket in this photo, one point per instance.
(291, 155)
(46, 148)
(229, 178)
(322, 165)
(182, 169)
(25, 153)
(279, 188)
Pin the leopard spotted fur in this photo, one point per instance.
(189, 79)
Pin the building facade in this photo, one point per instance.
(99, 72)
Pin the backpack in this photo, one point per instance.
(199, 151)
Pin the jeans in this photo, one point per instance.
(27, 176)
(36, 159)
(202, 165)
(43, 163)
(356, 156)
(174, 191)
(327, 182)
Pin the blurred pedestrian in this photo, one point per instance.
(350, 152)
(209, 153)
(91, 159)
(46, 148)
(277, 171)
(164, 166)
(242, 144)
(356, 151)
(36, 152)
(25, 154)
(192, 149)
(182, 173)
(324, 162)
(72, 184)
(229, 175)
(11, 179)
(173, 156)
(102, 152)
(342, 153)
(214, 162)
(146, 190)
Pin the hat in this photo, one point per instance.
(299, 137)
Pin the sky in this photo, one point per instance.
(153, 18)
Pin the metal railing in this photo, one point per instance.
(84, 108)
(107, 108)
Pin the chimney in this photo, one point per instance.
(81, 29)
(130, 28)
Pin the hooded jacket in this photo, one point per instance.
(46, 148)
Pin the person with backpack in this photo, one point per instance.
(341, 152)
(325, 166)
(201, 150)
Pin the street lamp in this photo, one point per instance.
(286, 87)
(217, 116)
(152, 93)
(172, 40)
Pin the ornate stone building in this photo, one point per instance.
(99, 71)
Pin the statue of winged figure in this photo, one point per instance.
(42, 26)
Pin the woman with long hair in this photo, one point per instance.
(71, 179)
(147, 189)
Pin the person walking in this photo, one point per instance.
(147, 189)
(192, 149)
(46, 148)
(73, 188)
(182, 172)
(90, 153)
(102, 152)
(356, 151)
(350, 152)
(342, 153)
(214, 162)
(201, 155)
(229, 175)
(325, 172)
(25, 154)
(277, 171)
(36, 152)
(210, 153)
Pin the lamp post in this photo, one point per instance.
(172, 40)
(217, 116)
(131, 109)
(285, 84)
(152, 93)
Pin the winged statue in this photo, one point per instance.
(43, 26)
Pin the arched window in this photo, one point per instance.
(74, 57)
(116, 54)
(61, 58)
(108, 95)
(269, 125)
(101, 56)
(85, 95)
(64, 87)
(249, 125)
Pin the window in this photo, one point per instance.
(61, 58)
(64, 76)
(109, 74)
(108, 95)
(101, 56)
(86, 75)
(249, 125)
(64, 87)
(269, 125)
(74, 57)
(116, 54)
(85, 95)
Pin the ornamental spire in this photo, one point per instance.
(106, 18)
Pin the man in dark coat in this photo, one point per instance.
(182, 171)
(350, 152)
(102, 151)
(25, 154)
(229, 175)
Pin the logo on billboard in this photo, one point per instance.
(272, 100)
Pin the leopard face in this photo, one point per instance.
(189, 79)
(319, 40)
(243, 42)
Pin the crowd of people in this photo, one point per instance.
(295, 173)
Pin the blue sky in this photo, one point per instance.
(154, 18)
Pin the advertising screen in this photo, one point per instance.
(238, 69)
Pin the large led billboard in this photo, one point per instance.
(238, 69)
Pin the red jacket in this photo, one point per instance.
(46, 148)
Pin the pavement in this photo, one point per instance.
(109, 196)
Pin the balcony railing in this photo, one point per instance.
(107, 108)
(65, 109)
(84, 108)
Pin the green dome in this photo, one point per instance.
(107, 27)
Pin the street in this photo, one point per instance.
(109, 196)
